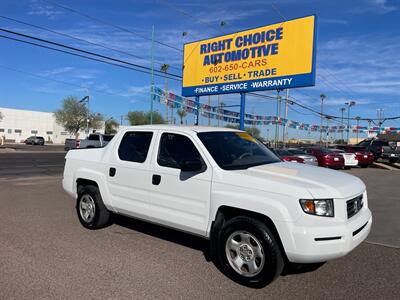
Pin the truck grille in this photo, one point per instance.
(354, 206)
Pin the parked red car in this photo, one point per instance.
(365, 158)
(326, 157)
(287, 156)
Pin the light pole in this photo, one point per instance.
(381, 116)
(152, 75)
(343, 109)
(349, 104)
(86, 99)
(322, 96)
(328, 119)
(358, 123)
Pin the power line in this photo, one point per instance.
(284, 18)
(109, 24)
(332, 86)
(80, 39)
(184, 12)
(83, 56)
(61, 81)
(92, 53)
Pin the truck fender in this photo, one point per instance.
(100, 179)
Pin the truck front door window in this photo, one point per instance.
(174, 149)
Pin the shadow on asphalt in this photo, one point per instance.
(195, 242)
(168, 234)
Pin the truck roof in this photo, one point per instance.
(180, 128)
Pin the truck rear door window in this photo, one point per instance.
(134, 146)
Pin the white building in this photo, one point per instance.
(17, 125)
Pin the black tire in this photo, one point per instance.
(101, 216)
(393, 160)
(273, 262)
(364, 166)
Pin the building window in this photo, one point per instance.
(64, 133)
(49, 132)
(1, 129)
(17, 130)
(34, 131)
(9, 130)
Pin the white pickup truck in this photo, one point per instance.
(258, 212)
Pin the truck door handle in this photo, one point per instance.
(112, 172)
(156, 179)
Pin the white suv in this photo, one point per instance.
(258, 212)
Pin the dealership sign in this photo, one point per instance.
(276, 56)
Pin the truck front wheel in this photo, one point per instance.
(248, 252)
(90, 208)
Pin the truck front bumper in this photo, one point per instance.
(312, 244)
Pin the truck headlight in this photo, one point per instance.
(318, 207)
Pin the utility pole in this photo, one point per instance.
(285, 129)
(278, 114)
(342, 109)
(349, 104)
(152, 75)
(322, 96)
(121, 119)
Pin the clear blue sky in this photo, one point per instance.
(358, 54)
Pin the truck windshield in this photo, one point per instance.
(236, 150)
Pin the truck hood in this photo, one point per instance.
(300, 179)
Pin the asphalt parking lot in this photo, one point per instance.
(45, 253)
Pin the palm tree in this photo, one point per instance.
(164, 68)
(182, 114)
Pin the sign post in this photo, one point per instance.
(196, 116)
(242, 110)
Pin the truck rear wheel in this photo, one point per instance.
(248, 252)
(90, 208)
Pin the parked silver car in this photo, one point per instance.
(308, 159)
(35, 140)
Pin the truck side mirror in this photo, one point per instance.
(191, 165)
